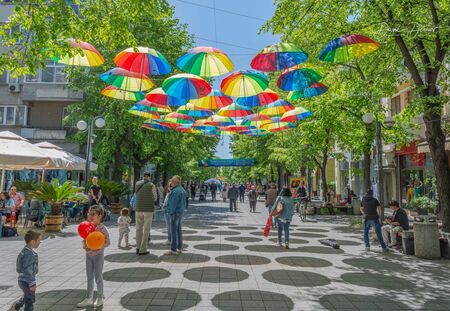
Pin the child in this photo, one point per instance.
(124, 226)
(94, 260)
(27, 267)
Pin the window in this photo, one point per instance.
(13, 115)
(52, 73)
(3, 77)
(65, 113)
(395, 105)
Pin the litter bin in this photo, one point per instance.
(356, 205)
(408, 242)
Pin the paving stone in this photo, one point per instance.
(215, 275)
(297, 261)
(216, 247)
(138, 274)
(296, 278)
(243, 260)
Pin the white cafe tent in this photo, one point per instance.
(72, 162)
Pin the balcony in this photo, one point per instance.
(43, 134)
(49, 92)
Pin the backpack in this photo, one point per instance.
(278, 209)
(9, 232)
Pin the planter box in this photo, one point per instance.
(53, 223)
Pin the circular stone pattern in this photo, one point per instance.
(215, 275)
(313, 230)
(185, 258)
(242, 228)
(267, 248)
(297, 261)
(162, 246)
(156, 237)
(248, 260)
(136, 274)
(348, 243)
(216, 247)
(291, 241)
(160, 298)
(261, 233)
(320, 250)
(132, 257)
(223, 232)
(243, 239)
(197, 238)
(308, 235)
(374, 264)
(202, 227)
(362, 302)
(249, 300)
(379, 281)
(296, 278)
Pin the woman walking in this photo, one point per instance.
(225, 192)
(285, 217)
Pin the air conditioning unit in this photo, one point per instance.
(14, 87)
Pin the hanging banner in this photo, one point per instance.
(226, 162)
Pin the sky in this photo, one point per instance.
(233, 27)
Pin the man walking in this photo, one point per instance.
(213, 191)
(252, 198)
(397, 223)
(145, 193)
(241, 193)
(371, 209)
(233, 194)
(176, 204)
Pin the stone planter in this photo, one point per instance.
(116, 207)
(426, 240)
(53, 223)
(411, 213)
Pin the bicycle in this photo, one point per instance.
(301, 205)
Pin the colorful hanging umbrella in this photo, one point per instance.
(255, 132)
(178, 118)
(85, 54)
(314, 90)
(263, 98)
(237, 127)
(186, 86)
(155, 126)
(141, 111)
(127, 80)
(278, 57)
(205, 61)
(235, 111)
(154, 107)
(201, 125)
(276, 108)
(219, 121)
(194, 111)
(244, 83)
(188, 130)
(158, 96)
(143, 60)
(114, 92)
(348, 47)
(213, 101)
(299, 113)
(277, 125)
(256, 120)
(298, 78)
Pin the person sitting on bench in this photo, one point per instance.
(396, 223)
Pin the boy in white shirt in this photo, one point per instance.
(124, 226)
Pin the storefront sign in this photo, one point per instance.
(226, 162)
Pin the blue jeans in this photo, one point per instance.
(281, 226)
(377, 225)
(175, 231)
(169, 231)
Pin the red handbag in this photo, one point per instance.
(268, 225)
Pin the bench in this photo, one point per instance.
(339, 206)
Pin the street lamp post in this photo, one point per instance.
(82, 125)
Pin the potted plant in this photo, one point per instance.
(113, 191)
(422, 205)
(26, 187)
(55, 194)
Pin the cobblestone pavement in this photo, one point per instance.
(229, 265)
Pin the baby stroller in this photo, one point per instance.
(202, 196)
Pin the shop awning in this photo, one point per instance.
(72, 162)
(407, 149)
(424, 148)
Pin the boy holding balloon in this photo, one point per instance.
(96, 238)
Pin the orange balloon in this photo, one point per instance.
(95, 240)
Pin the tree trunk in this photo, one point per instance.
(323, 174)
(436, 142)
(165, 178)
(117, 169)
(367, 182)
(136, 175)
(280, 176)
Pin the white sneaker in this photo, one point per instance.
(98, 302)
(86, 303)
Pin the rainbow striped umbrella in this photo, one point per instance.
(235, 111)
(143, 111)
(155, 126)
(114, 92)
(237, 127)
(314, 90)
(263, 98)
(255, 132)
(298, 78)
(219, 120)
(154, 107)
(178, 118)
(348, 47)
(159, 97)
(278, 57)
(88, 56)
(276, 108)
(186, 86)
(277, 125)
(194, 111)
(127, 80)
(299, 113)
(201, 125)
(215, 100)
(205, 61)
(244, 83)
(143, 60)
(256, 120)
(188, 130)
